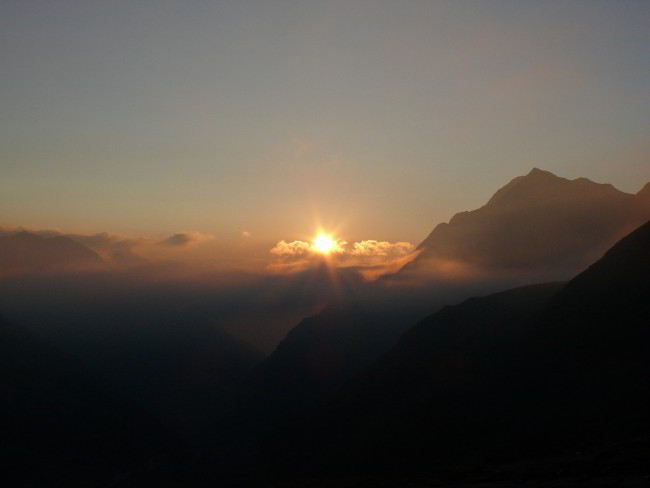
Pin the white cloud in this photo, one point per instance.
(380, 248)
(294, 248)
(367, 248)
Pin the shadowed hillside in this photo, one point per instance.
(516, 375)
(317, 356)
(176, 370)
(64, 426)
(594, 339)
(313, 361)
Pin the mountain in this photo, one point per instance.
(538, 371)
(325, 351)
(427, 396)
(62, 425)
(177, 370)
(598, 328)
(315, 358)
(27, 252)
(538, 222)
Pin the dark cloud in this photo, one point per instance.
(177, 240)
(182, 239)
(104, 241)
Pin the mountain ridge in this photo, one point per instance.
(540, 222)
(476, 383)
(27, 252)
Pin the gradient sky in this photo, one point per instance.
(379, 119)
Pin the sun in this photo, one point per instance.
(323, 244)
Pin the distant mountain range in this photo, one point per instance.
(538, 221)
(27, 252)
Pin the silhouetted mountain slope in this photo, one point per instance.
(520, 373)
(444, 380)
(175, 370)
(61, 424)
(315, 358)
(24, 251)
(598, 330)
(539, 221)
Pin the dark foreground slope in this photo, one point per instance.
(312, 362)
(316, 358)
(593, 346)
(449, 377)
(62, 426)
(512, 376)
(174, 368)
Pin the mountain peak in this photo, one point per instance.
(540, 220)
(536, 180)
(543, 185)
(540, 172)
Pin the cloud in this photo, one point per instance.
(105, 241)
(289, 266)
(245, 233)
(187, 252)
(388, 267)
(370, 258)
(183, 239)
(294, 248)
(301, 248)
(380, 248)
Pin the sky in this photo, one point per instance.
(374, 120)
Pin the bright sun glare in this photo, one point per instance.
(323, 244)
